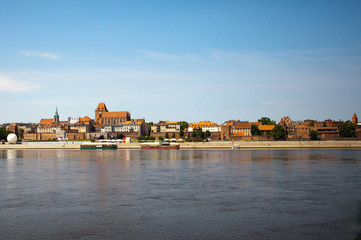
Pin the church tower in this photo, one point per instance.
(354, 119)
(101, 108)
(56, 116)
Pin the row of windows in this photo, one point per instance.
(113, 120)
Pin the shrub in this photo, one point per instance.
(313, 135)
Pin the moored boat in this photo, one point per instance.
(98, 146)
(159, 145)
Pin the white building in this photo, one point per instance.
(211, 129)
(166, 126)
(127, 127)
(74, 120)
(132, 127)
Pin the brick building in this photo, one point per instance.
(289, 126)
(104, 117)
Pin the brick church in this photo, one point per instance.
(104, 117)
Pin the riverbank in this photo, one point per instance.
(203, 145)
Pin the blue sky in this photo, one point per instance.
(180, 60)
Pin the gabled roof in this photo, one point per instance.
(354, 116)
(46, 121)
(101, 107)
(85, 119)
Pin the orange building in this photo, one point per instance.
(242, 129)
(104, 117)
(203, 124)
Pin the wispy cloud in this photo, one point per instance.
(11, 85)
(40, 54)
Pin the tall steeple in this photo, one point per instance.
(354, 119)
(56, 116)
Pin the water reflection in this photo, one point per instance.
(198, 194)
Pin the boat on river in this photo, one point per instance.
(159, 145)
(98, 146)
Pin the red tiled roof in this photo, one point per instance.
(115, 114)
(46, 121)
(85, 119)
(243, 126)
(266, 127)
(101, 107)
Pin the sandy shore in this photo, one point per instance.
(203, 145)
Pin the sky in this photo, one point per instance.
(180, 60)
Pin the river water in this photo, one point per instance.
(196, 194)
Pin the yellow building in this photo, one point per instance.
(203, 124)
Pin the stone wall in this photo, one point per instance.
(162, 134)
(40, 136)
(81, 136)
(30, 136)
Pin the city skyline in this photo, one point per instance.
(94, 118)
(181, 60)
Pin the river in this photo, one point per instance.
(195, 194)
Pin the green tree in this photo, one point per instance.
(181, 132)
(201, 134)
(183, 125)
(150, 124)
(279, 133)
(166, 135)
(207, 134)
(311, 124)
(4, 133)
(146, 138)
(194, 134)
(20, 133)
(160, 138)
(173, 135)
(313, 135)
(266, 121)
(255, 130)
(347, 129)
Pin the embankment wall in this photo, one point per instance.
(205, 145)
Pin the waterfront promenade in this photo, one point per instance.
(202, 145)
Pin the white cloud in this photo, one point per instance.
(40, 54)
(11, 85)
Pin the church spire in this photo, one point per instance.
(56, 116)
(354, 119)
